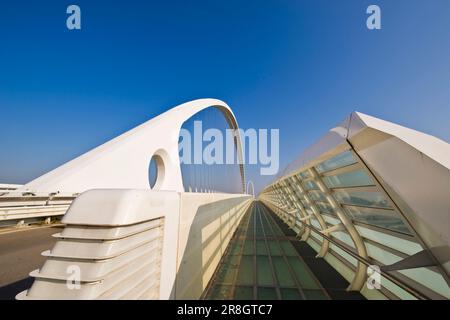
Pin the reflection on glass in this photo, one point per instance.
(310, 185)
(317, 195)
(387, 219)
(325, 208)
(360, 198)
(341, 160)
(349, 179)
(304, 175)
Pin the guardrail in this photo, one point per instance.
(9, 186)
(138, 244)
(20, 209)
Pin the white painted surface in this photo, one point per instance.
(123, 162)
(139, 244)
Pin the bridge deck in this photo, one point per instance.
(264, 260)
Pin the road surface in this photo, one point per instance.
(20, 253)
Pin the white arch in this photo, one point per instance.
(123, 161)
(250, 182)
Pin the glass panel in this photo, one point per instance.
(236, 247)
(348, 179)
(361, 198)
(387, 219)
(325, 208)
(304, 175)
(290, 294)
(243, 293)
(245, 275)
(275, 249)
(250, 230)
(317, 195)
(248, 247)
(261, 247)
(315, 295)
(267, 294)
(288, 248)
(269, 225)
(284, 277)
(220, 292)
(259, 230)
(341, 160)
(228, 270)
(302, 274)
(310, 185)
(264, 272)
(267, 229)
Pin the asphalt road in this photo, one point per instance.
(20, 253)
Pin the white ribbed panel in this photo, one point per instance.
(114, 263)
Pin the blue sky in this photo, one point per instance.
(300, 66)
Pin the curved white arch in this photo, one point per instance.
(123, 161)
(250, 182)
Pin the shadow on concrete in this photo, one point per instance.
(190, 279)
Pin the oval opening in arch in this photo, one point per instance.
(156, 171)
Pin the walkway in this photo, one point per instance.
(264, 260)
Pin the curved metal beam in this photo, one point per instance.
(361, 269)
(325, 243)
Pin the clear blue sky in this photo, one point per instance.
(300, 66)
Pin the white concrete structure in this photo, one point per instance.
(138, 244)
(125, 241)
(123, 162)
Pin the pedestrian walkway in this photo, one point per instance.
(264, 260)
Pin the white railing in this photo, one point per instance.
(138, 244)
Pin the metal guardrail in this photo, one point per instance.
(21, 209)
(9, 186)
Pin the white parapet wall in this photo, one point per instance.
(138, 244)
(207, 222)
